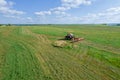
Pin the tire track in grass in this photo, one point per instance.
(113, 71)
(40, 38)
(74, 69)
(56, 59)
(21, 63)
(103, 47)
(37, 69)
(43, 64)
(4, 33)
(56, 66)
(80, 68)
(2, 51)
(88, 64)
(57, 62)
(40, 59)
(53, 67)
(46, 77)
(52, 58)
(102, 66)
(101, 74)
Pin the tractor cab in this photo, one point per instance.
(69, 36)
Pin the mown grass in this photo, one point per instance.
(26, 53)
(99, 34)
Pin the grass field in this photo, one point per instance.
(27, 53)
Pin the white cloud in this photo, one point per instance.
(19, 18)
(29, 19)
(109, 15)
(3, 3)
(11, 3)
(5, 8)
(114, 9)
(65, 5)
(11, 16)
(75, 3)
(59, 12)
(60, 9)
(41, 13)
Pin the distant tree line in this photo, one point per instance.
(9, 25)
(0, 24)
(6, 24)
(114, 24)
(118, 24)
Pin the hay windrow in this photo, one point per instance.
(60, 43)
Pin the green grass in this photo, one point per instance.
(27, 53)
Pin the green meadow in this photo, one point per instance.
(27, 53)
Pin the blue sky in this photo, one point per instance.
(59, 11)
